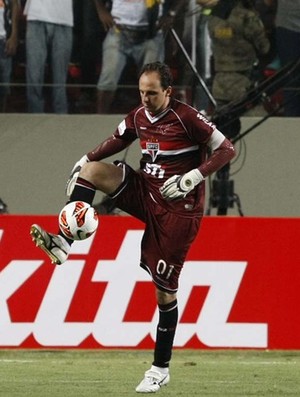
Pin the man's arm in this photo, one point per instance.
(178, 186)
(12, 41)
(110, 146)
(222, 152)
(104, 15)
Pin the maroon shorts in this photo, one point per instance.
(167, 237)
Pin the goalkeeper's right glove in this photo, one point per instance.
(74, 174)
(178, 186)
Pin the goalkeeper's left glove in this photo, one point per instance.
(178, 186)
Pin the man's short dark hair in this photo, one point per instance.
(166, 77)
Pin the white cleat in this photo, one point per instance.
(152, 382)
(55, 246)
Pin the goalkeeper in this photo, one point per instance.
(166, 193)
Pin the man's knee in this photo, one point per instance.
(164, 298)
(106, 177)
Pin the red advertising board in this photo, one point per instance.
(239, 287)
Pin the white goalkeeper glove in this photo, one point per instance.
(178, 186)
(74, 174)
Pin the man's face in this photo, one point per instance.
(153, 96)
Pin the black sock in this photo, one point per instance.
(83, 191)
(168, 317)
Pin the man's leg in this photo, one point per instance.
(60, 58)
(36, 54)
(113, 63)
(5, 75)
(165, 333)
(151, 50)
(158, 374)
(105, 99)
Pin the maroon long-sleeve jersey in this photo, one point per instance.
(172, 142)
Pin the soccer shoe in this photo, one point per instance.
(152, 382)
(55, 246)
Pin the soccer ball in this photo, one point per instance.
(78, 220)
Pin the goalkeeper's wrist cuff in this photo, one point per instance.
(197, 176)
(191, 179)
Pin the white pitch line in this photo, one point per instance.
(253, 362)
(269, 362)
(5, 360)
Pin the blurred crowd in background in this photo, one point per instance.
(83, 56)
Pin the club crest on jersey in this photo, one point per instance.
(152, 149)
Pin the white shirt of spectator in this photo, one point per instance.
(2, 29)
(130, 12)
(52, 11)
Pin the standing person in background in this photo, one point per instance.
(238, 38)
(167, 193)
(88, 37)
(196, 41)
(134, 30)
(267, 12)
(288, 49)
(204, 53)
(49, 37)
(9, 23)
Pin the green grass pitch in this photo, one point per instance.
(89, 373)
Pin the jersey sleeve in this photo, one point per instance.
(198, 127)
(123, 136)
(126, 129)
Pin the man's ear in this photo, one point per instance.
(169, 90)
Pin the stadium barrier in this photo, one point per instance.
(38, 152)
